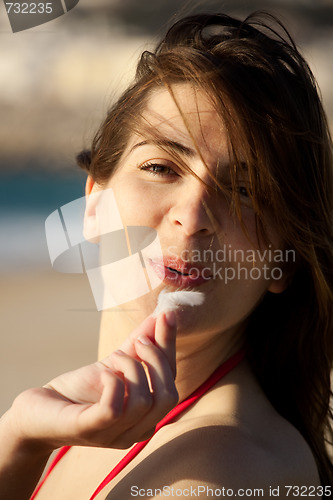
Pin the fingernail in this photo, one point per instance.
(170, 316)
(144, 340)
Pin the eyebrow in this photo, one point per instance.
(177, 146)
(185, 150)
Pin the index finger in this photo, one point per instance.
(165, 337)
(147, 328)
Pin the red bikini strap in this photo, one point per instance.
(54, 462)
(210, 382)
(221, 371)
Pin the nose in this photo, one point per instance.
(191, 211)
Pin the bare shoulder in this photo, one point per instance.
(231, 456)
(214, 460)
(250, 443)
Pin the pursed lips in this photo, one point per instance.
(179, 273)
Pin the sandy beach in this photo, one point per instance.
(49, 324)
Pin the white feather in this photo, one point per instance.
(168, 301)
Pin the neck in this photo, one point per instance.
(198, 354)
(198, 358)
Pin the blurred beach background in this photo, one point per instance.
(56, 82)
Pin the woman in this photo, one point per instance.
(221, 146)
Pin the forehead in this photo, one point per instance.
(185, 114)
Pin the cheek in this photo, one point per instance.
(137, 204)
(233, 235)
(248, 262)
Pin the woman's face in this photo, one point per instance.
(203, 245)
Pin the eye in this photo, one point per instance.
(157, 169)
(240, 193)
(245, 196)
(243, 191)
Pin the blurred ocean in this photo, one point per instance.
(26, 199)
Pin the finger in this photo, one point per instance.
(165, 337)
(138, 396)
(147, 328)
(163, 388)
(104, 413)
(113, 393)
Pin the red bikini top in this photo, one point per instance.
(221, 371)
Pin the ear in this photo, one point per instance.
(89, 185)
(91, 228)
(279, 285)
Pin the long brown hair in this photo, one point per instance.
(269, 101)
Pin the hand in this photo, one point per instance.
(111, 403)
